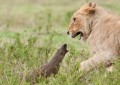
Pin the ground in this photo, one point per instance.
(30, 33)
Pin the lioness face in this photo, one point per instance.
(76, 25)
(81, 21)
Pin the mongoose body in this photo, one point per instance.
(50, 68)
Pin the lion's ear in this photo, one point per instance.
(93, 5)
(91, 8)
(88, 9)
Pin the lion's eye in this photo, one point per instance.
(74, 19)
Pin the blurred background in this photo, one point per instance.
(17, 15)
(42, 16)
(32, 30)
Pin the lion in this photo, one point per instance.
(101, 29)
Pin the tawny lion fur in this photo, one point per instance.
(101, 29)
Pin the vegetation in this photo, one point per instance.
(30, 33)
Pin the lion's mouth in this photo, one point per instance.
(78, 33)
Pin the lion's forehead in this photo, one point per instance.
(76, 14)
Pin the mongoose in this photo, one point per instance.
(50, 68)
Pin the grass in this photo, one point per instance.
(31, 32)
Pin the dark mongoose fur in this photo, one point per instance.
(50, 68)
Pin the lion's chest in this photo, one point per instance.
(102, 39)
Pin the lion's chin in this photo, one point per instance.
(82, 39)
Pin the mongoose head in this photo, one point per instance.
(63, 50)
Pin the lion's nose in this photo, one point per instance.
(68, 32)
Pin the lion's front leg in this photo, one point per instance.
(104, 58)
